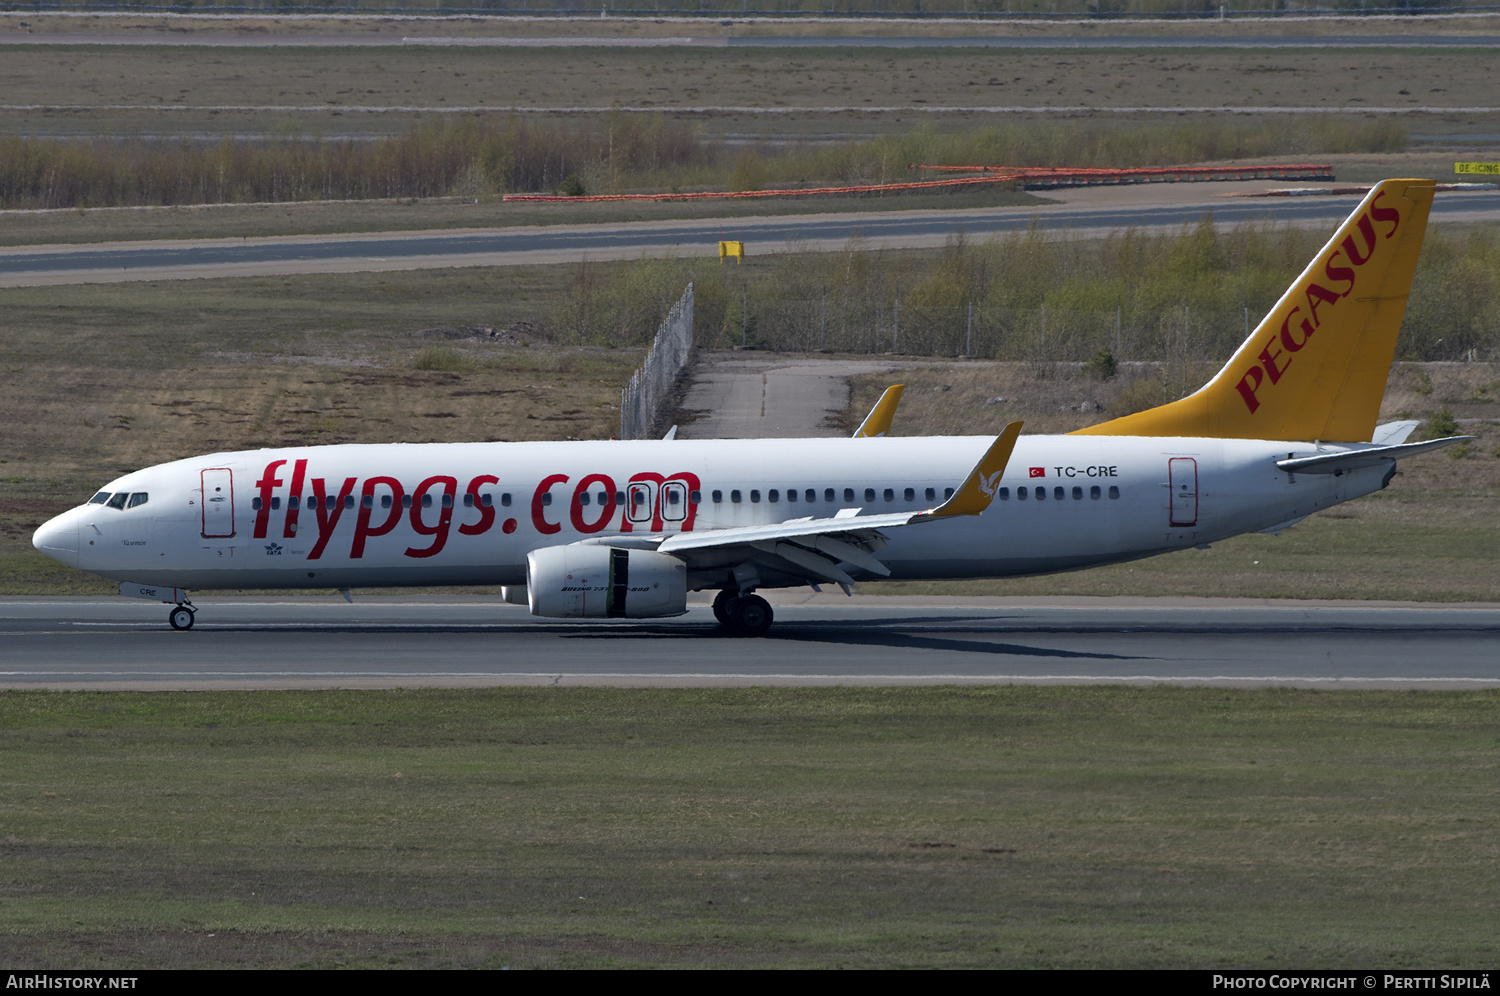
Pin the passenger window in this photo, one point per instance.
(791, 494)
(505, 499)
(718, 496)
(276, 504)
(673, 496)
(869, 494)
(583, 499)
(811, 495)
(1077, 493)
(468, 501)
(447, 500)
(1059, 493)
(254, 504)
(487, 500)
(754, 495)
(1114, 492)
(1094, 492)
(772, 496)
(294, 502)
(366, 501)
(734, 496)
(1021, 493)
(386, 501)
(100, 498)
(546, 497)
(1004, 494)
(695, 497)
(138, 498)
(910, 494)
(890, 495)
(947, 493)
(1041, 494)
(848, 494)
(932, 494)
(619, 497)
(828, 494)
(426, 501)
(348, 501)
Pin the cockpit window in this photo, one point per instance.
(138, 498)
(117, 500)
(100, 498)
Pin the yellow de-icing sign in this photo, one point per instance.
(1493, 168)
(735, 249)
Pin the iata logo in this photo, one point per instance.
(273, 549)
(1339, 268)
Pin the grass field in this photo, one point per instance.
(917, 827)
(325, 79)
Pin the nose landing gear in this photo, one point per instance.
(743, 614)
(181, 617)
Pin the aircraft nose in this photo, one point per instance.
(58, 538)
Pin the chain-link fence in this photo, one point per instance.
(643, 403)
(845, 324)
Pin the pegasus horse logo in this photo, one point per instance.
(990, 483)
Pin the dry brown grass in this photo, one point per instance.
(325, 78)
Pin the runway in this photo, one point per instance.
(159, 260)
(310, 642)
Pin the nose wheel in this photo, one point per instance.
(182, 617)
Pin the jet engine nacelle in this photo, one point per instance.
(588, 581)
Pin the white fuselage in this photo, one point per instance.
(468, 513)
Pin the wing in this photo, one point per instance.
(815, 548)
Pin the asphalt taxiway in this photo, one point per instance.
(301, 641)
(1089, 213)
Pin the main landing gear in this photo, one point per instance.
(742, 614)
(181, 617)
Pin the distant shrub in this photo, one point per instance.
(441, 358)
(1102, 365)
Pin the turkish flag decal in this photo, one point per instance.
(1038, 471)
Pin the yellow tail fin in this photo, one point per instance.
(1316, 367)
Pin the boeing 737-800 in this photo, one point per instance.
(628, 528)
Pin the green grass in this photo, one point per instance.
(1048, 827)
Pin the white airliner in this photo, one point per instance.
(627, 529)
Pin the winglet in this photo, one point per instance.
(978, 489)
(878, 422)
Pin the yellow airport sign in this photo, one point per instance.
(1493, 168)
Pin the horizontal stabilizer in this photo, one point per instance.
(1371, 456)
(1394, 433)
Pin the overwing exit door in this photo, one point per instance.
(1182, 478)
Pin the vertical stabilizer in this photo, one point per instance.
(1316, 367)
